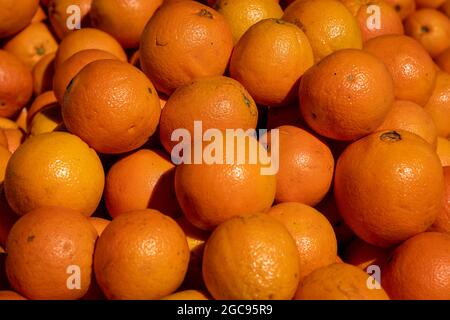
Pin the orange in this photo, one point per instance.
(419, 269)
(112, 106)
(403, 7)
(32, 44)
(339, 281)
(46, 120)
(54, 169)
(3, 139)
(42, 248)
(15, 138)
(187, 295)
(16, 15)
(431, 28)
(347, 95)
(7, 217)
(10, 295)
(362, 254)
(429, 3)
(443, 151)
(141, 255)
(141, 180)
(87, 38)
(306, 167)
(219, 102)
(242, 14)
(442, 222)
(4, 158)
(41, 102)
(388, 186)
(251, 258)
(124, 20)
(328, 25)
(313, 235)
(99, 224)
(59, 15)
(43, 73)
(72, 66)
(184, 41)
(408, 62)
(16, 84)
(39, 16)
(445, 8)
(439, 104)
(270, 59)
(364, 11)
(409, 116)
(443, 60)
(205, 190)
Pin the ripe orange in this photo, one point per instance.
(270, 59)
(438, 105)
(10, 295)
(328, 25)
(251, 257)
(409, 116)
(41, 102)
(442, 222)
(141, 180)
(44, 114)
(87, 38)
(43, 73)
(403, 7)
(429, 3)
(5, 155)
(219, 102)
(54, 169)
(112, 106)
(183, 41)
(59, 16)
(313, 235)
(32, 44)
(141, 255)
(16, 15)
(431, 28)
(124, 20)
(443, 151)
(408, 62)
(39, 16)
(339, 281)
(72, 66)
(347, 95)
(187, 295)
(388, 186)
(362, 254)
(443, 60)
(419, 268)
(99, 224)
(16, 84)
(7, 217)
(47, 246)
(15, 138)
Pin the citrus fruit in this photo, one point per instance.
(187, 295)
(443, 151)
(61, 12)
(442, 222)
(16, 15)
(439, 106)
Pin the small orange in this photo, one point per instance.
(39, 16)
(41, 102)
(44, 114)
(362, 254)
(443, 151)
(141, 255)
(16, 15)
(251, 257)
(99, 224)
(10, 295)
(59, 14)
(43, 73)
(187, 295)
(419, 269)
(15, 138)
(443, 60)
(442, 222)
(439, 104)
(4, 158)
(403, 7)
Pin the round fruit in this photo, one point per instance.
(362, 254)
(54, 169)
(388, 186)
(10, 295)
(43, 73)
(443, 60)
(442, 222)
(347, 95)
(47, 249)
(7, 217)
(184, 41)
(112, 106)
(443, 151)
(270, 59)
(187, 295)
(251, 257)
(419, 269)
(403, 7)
(42, 101)
(429, 3)
(99, 224)
(61, 12)
(439, 104)
(16, 15)
(141, 255)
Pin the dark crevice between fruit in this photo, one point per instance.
(69, 86)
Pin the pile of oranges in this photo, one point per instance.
(94, 204)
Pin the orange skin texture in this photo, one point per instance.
(443, 60)
(125, 20)
(4, 158)
(88, 38)
(57, 14)
(141, 180)
(419, 269)
(10, 295)
(339, 281)
(313, 235)
(16, 84)
(15, 138)
(184, 41)
(390, 22)
(251, 257)
(410, 66)
(431, 28)
(219, 102)
(16, 15)
(41, 102)
(362, 254)
(347, 95)
(272, 78)
(32, 44)
(439, 104)
(3, 139)
(306, 167)
(72, 66)
(99, 224)
(409, 116)
(73, 174)
(41, 246)
(123, 105)
(43, 73)
(141, 255)
(388, 187)
(429, 3)
(443, 151)
(187, 295)
(328, 25)
(442, 222)
(403, 7)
